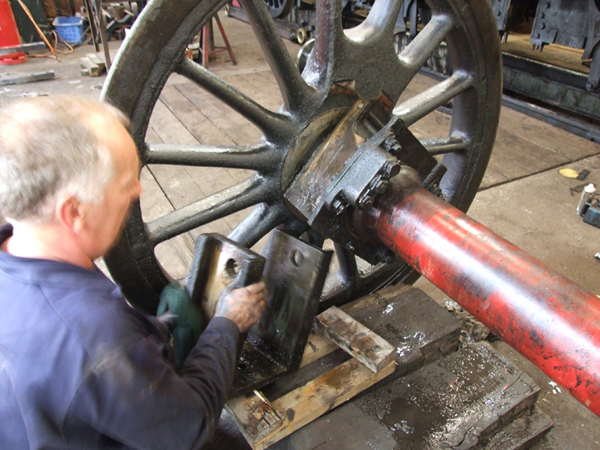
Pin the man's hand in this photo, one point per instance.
(243, 306)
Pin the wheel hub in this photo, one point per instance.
(337, 105)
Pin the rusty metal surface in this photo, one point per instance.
(544, 316)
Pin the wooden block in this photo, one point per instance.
(254, 415)
(307, 403)
(416, 324)
(458, 402)
(421, 330)
(92, 69)
(95, 59)
(370, 349)
(319, 345)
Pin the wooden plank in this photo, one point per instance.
(95, 59)
(255, 415)
(89, 67)
(229, 121)
(532, 156)
(263, 423)
(319, 345)
(175, 255)
(492, 178)
(382, 296)
(167, 126)
(319, 396)
(267, 94)
(560, 141)
(192, 118)
(356, 339)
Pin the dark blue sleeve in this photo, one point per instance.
(137, 398)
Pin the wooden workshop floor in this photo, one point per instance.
(522, 196)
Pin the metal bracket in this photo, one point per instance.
(347, 173)
(294, 273)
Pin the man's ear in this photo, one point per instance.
(71, 213)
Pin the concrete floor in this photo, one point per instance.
(527, 202)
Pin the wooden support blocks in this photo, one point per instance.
(255, 416)
(91, 65)
(263, 422)
(370, 349)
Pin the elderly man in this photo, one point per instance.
(79, 368)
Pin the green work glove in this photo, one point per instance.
(189, 322)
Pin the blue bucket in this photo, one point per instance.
(69, 29)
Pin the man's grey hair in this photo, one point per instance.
(48, 150)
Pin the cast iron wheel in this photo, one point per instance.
(344, 65)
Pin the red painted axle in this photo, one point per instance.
(546, 317)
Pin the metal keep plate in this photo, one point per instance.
(294, 274)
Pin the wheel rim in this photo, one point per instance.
(363, 55)
(279, 8)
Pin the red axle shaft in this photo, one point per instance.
(543, 315)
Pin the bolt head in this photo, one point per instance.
(382, 186)
(391, 169)
(338, 206)
(385, 256)
(366, 201)
(591, 86)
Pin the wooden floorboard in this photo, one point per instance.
(560, 141)
(239, 130)
(194, 119)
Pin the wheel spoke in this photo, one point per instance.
(328, 32)
(425, 44)
(427, 101)
(382, 17)
(348, 272)
(269, 122)
(254, 157)
(368, 56)
(258, 223)
(228, 201)
(449, 144)
(294, 90)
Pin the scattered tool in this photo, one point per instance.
(583, 175)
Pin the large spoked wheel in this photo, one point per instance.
(344, 65)
(279, 8)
